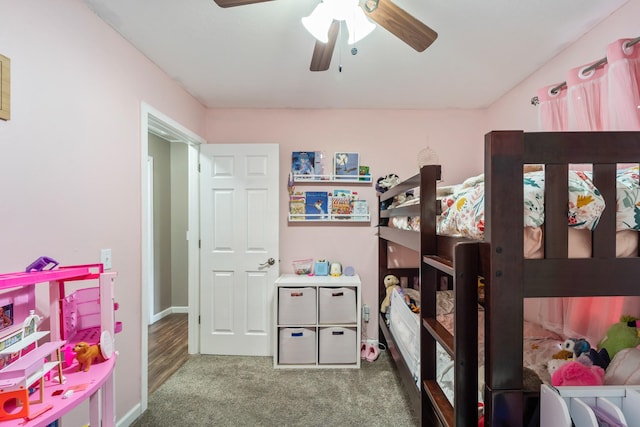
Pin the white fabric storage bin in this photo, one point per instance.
(297, 306)
(337, 345)
(297, 346)
(337, 305)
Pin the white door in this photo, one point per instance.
(239, 248)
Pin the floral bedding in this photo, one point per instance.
(463, 208)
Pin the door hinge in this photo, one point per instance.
(198, 167)
(199, 244)
(198, 320)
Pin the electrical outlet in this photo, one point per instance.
(365, 313)
(105, 258)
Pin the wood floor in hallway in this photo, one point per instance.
(168, 348)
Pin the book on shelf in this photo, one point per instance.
(363, 173)
(297, 208)
(338, 192)
(307, 165)
(346, 165)
(360, 209)
(316, 205)
(340, 205)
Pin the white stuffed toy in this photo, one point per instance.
(624, 368)
(390, 282)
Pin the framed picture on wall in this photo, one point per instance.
(346, 165)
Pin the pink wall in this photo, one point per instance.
(70, 162)
(388, 141)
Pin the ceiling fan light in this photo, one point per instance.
(358, 26)
(318, 23)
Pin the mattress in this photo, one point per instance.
(463, 209)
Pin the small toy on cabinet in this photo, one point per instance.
(86, 354)
(321, 267)
(336, 269)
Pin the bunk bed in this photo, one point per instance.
(509, 277)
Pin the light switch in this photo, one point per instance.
(105, 258)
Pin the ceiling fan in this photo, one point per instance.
(383, 12)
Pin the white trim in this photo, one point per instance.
(167, 311)
(152, 120)
(150, 239)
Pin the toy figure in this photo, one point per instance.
(4, 319)
(86, 354)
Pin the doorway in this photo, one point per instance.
(155, 123)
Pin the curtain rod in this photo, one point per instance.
(599, 63)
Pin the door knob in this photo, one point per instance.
(270, 261)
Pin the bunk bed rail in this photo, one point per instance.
(510, 277)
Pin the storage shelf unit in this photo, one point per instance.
(317, 322)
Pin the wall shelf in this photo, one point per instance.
(346, 218)
(323, 179)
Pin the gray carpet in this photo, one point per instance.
(248, 391)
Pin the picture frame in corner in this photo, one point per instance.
(346, 165)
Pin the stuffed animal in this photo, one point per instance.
(386, 182)
(578, 373)
(621, 335)
(411, 298)
(578, 347)
(390, 282)
(624, 368)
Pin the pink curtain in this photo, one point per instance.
(587, 98)
(552, 109)
(624, 83)
(606, 97)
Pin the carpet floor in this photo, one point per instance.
(248, 391)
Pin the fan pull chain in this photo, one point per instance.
(340, 36)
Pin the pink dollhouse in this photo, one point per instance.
(41, 363)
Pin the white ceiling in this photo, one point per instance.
(258, 56)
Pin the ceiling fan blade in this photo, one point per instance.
(400, 23)
(323, 52)
(234, 3)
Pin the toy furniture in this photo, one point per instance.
(31, 366)
(509, 275)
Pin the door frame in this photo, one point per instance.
(154, 121)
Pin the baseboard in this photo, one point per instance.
(130, 417)
(168, 311)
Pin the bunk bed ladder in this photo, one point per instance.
(462, 346)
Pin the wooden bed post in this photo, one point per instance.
(503, 326)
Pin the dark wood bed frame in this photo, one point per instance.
(509, 277)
